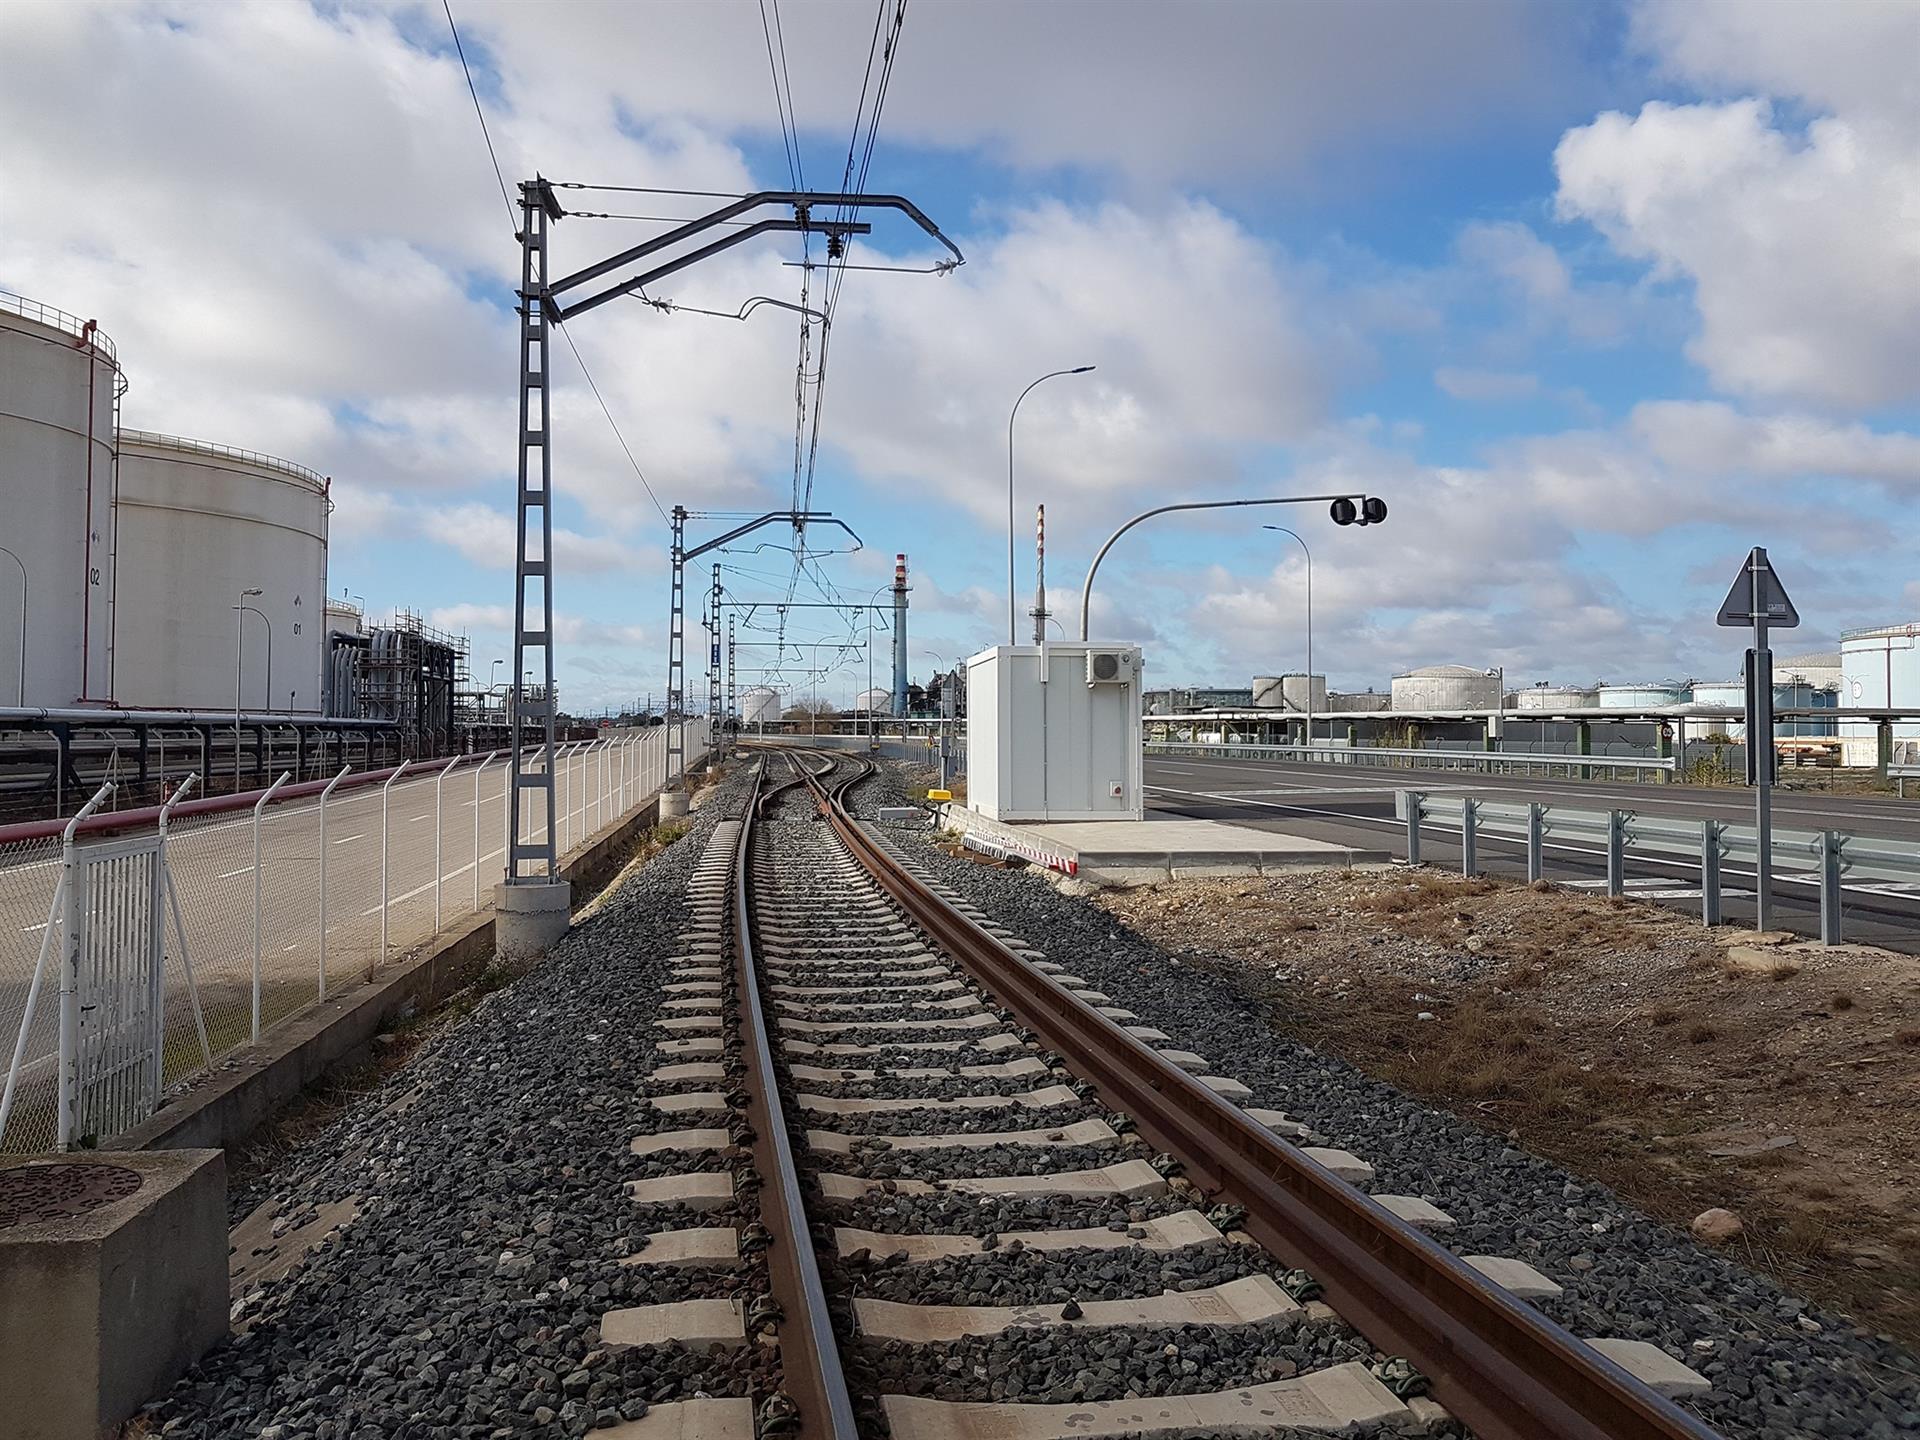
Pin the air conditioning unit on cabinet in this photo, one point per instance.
(1112, 667)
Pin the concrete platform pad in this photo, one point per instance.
(1653, 1367)
(687, 1420)
(1417, 1212)
(1045, 1098)
(693, 1141)
(1081, 1132)
(697, 1324)
(1246, 1301)
(1516, 1277)
(703, 1190)
(1170, 1232)
(1342, 1399)
(1136, 852)
(698, 1245)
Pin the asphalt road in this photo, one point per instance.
(1355, 807)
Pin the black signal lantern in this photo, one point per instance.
(1370, 511)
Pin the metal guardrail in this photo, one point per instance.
(1489, 762)
(1900, 774)
(1835, 859)
(211, 451)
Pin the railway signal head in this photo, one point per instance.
(1370, 511)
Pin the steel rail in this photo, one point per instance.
(811, 1373)
(1500, 1366)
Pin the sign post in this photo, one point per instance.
(1759, 599)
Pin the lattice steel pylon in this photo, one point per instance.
(675, 717)
(733, 709)
(533, 555)
(713, 662)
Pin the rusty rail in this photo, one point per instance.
(1498, 1365)
(810, 1366)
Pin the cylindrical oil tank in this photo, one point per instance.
(199, 526)
(758, 704)
(1880, 667)
(1650, 696)
(59, 384)
(1556, 697)
(1819, 670)
(1268, 692)
(875, 701)
(1359, 702)
(1446, 687)
(1300, 693)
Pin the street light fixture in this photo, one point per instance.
(1353, 508)
(1013, 603)
(1303, 545)
(22, 700)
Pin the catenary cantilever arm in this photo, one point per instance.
(1086, 590)
(803, 203)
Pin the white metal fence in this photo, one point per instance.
(1489, 762)
(130, 963)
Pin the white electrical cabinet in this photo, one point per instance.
(1053, 732)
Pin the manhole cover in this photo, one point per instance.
(30, 1194)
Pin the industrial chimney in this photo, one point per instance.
(900, 635)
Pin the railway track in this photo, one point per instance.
(952, 1168)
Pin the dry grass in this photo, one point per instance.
(1620, 1041)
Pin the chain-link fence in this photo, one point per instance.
(261, 911)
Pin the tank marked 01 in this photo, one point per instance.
(62, 385)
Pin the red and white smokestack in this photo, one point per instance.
(1040, 576)
(900, 635)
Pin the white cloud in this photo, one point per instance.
(1491, 385)
(1706, 437)
(1802, 245)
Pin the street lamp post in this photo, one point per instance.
(1352, 508)
(945, 722)
(22, 700)
(1499, 737)
(239, 663)
(1013, 603)
(1303, 545)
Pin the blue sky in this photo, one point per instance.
(1595, 296)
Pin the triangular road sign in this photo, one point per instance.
(1775, 608)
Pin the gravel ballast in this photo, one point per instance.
(1780, 1368)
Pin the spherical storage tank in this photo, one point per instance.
(198, 525)
(759, 704)
(1446, 687)
(59, 383)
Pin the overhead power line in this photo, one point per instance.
(513, 220)
(638, 472)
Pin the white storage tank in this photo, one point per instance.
(59, 386)
(1818, 670)
(875, 701)
(759, 704)
(1879, 667)
(1650, 696)
(1446, 687)
(1359, 702)
(1304, 692)
(1556, 698)
(1269, 692)
(199, 525)
(1732, 695)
